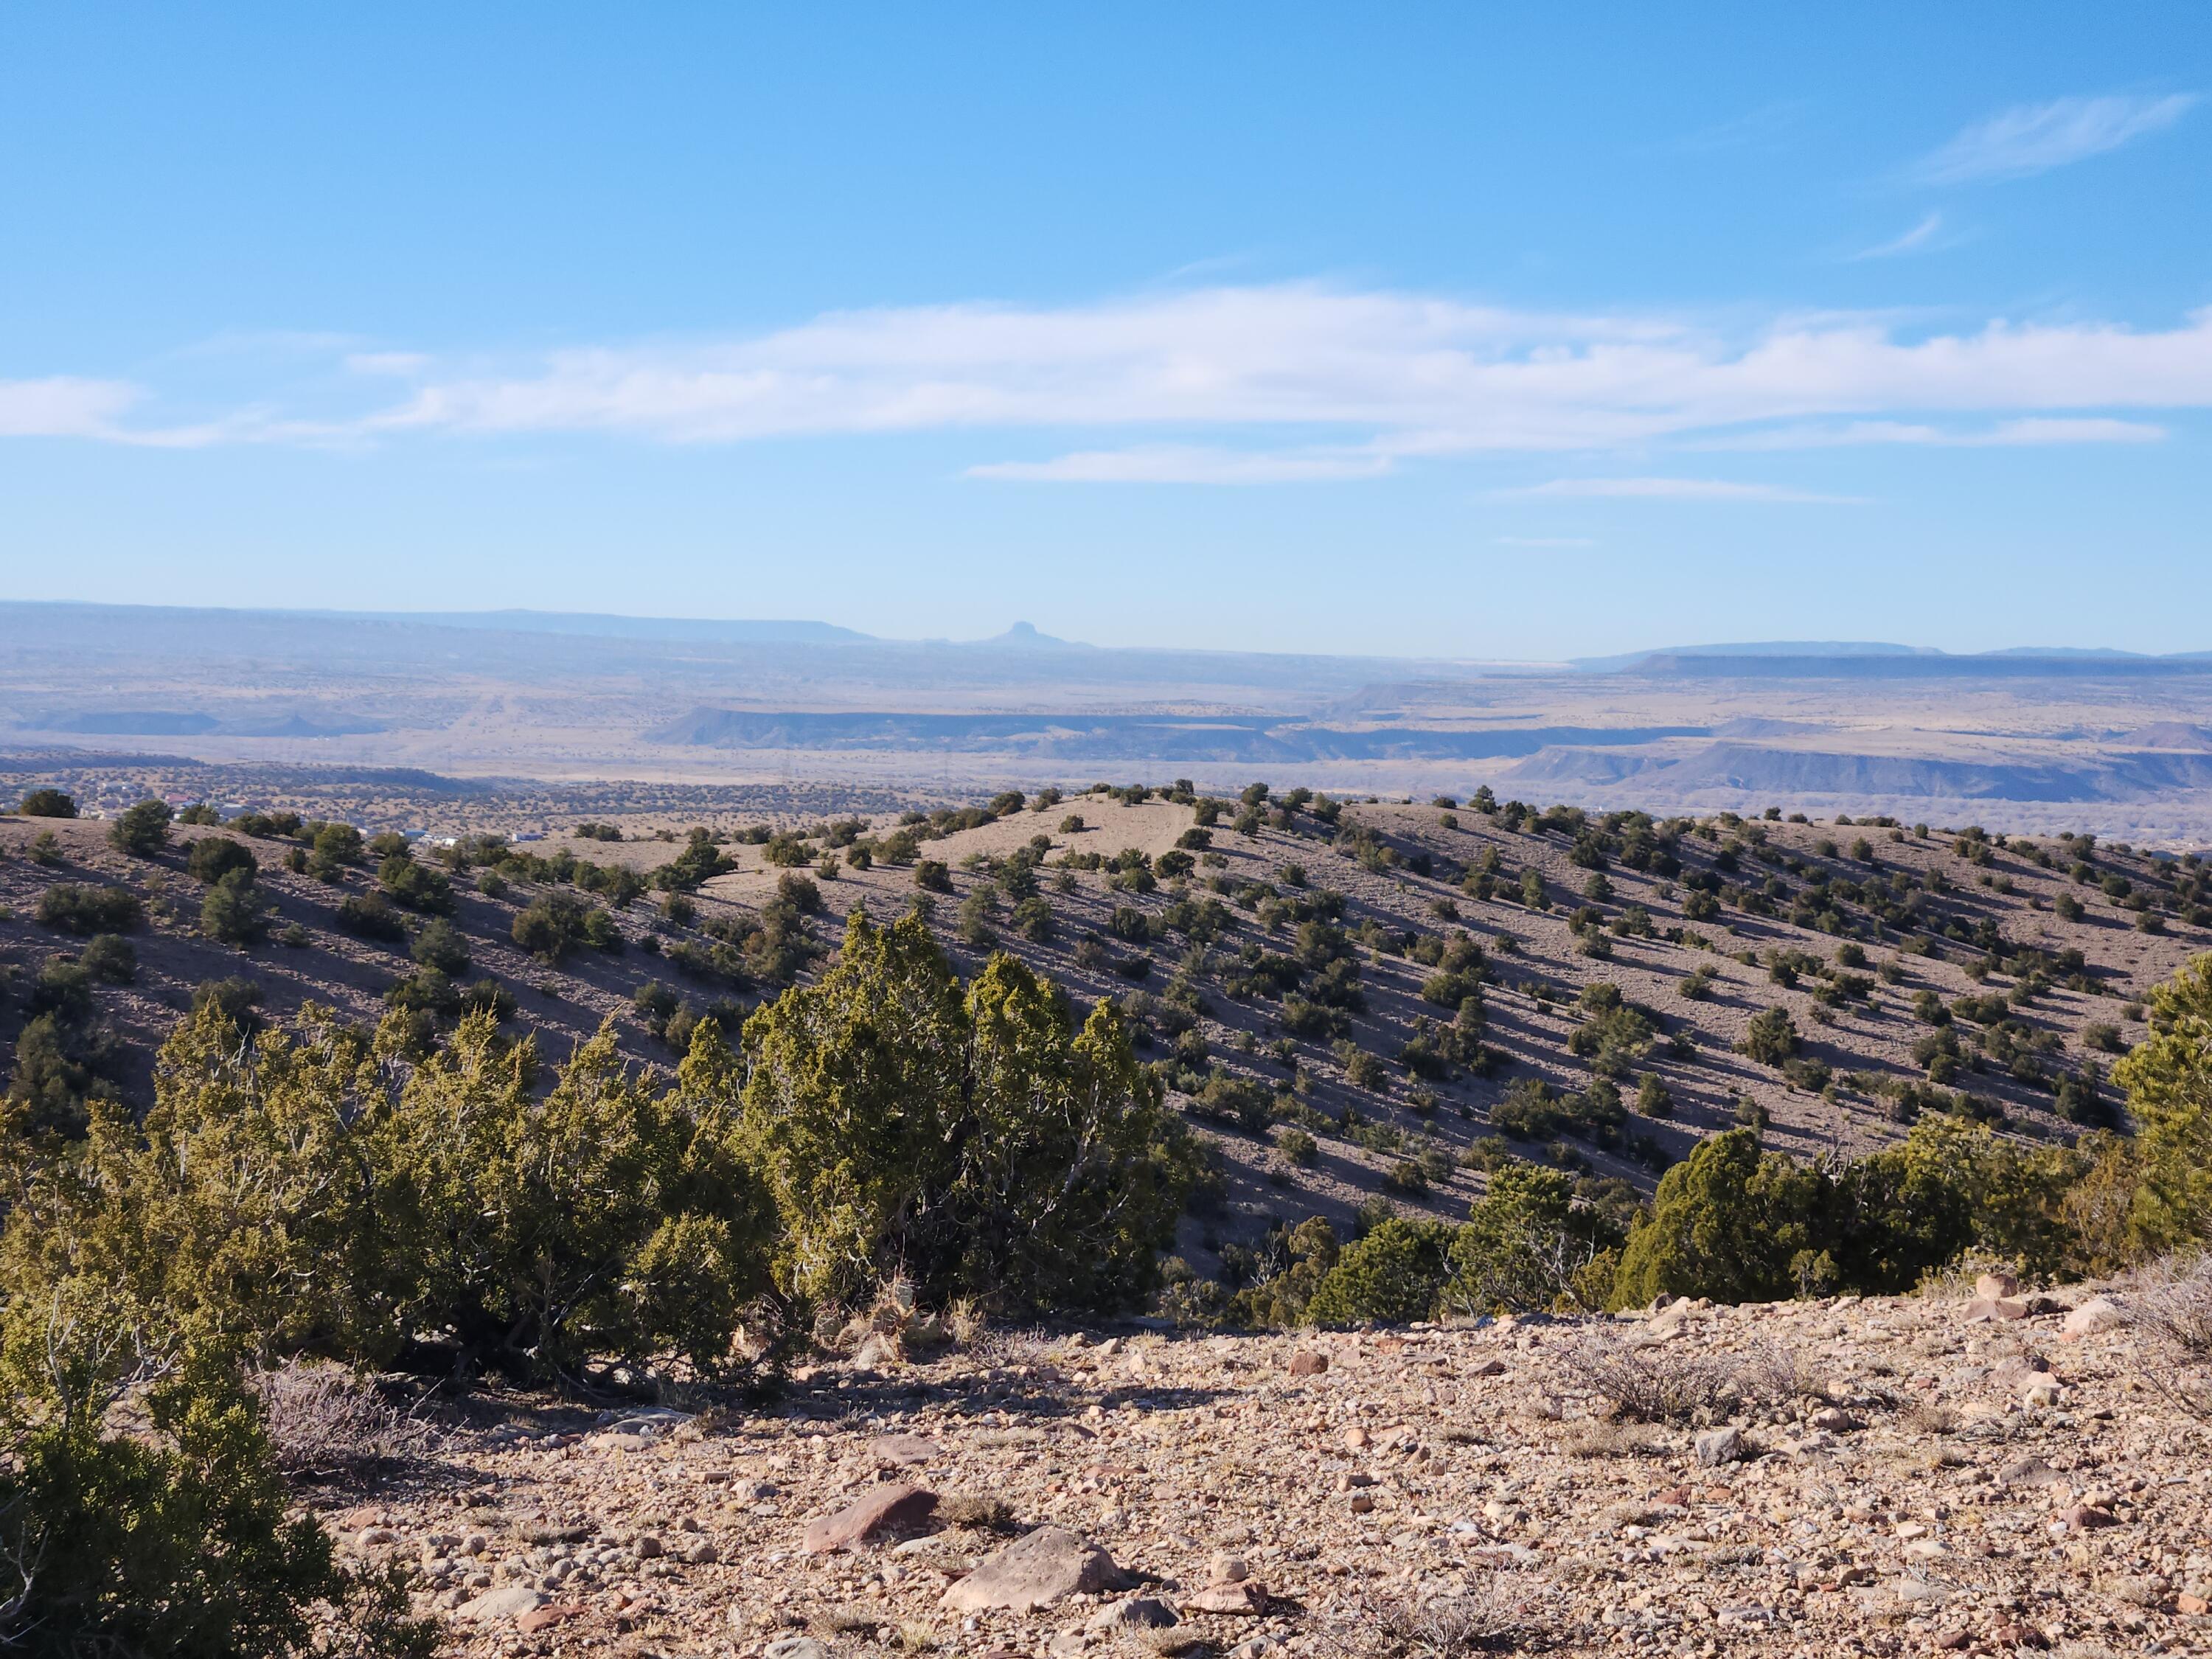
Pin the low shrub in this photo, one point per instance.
(84, 908)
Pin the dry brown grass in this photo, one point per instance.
(1930, 1417)
(984, 1511)
(2169, 1307)
(1675, 1381)
(1403, 1625)
(1603, 1439)
(324, 1419)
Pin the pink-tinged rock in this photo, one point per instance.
(1985, 1309)
(545, 1618)
(1249, 1596)
(883, 1512)
(1048, 1566)
(2084, 1517)
(508, 1601)
(1307, 1363)
(1997, 1286)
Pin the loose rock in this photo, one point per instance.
(883, 1512)
(2095, 1317)
(1048, 1566)
(1718, 1446)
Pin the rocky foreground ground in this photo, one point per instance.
(1895, 1476)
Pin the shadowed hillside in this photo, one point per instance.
(1358, 1002)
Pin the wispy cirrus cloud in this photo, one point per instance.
(64, 406)
(1677, 489)
(2031, 138)
(1923, 238)
(1759, 127)
(1178, 463)
(2005, 435)
(1227, 384)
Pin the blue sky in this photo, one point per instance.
(1455, 330)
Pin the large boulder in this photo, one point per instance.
(1035, 1571)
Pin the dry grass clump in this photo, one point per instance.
(1402, 1626)
(1600, 1439)
(2170, 1307)
(1676, 1381)
(1930, 1417)
(1003, 1350)
(983, 1511)
(1772, 1373)
(1170, 1642)
(323, 1419)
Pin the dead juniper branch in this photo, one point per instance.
(2169, 1307)
(321, 1419)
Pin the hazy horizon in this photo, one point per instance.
(826, 629)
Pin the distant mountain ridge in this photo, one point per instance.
(1795, 657)
(1799, 659)
(2006, 666)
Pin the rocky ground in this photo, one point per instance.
(1871, 1476)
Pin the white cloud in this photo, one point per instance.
(1258, 384)
(64, 406)
(1416, 375)
(1921, 239)
(2033, 138)
(401, 365)
(1678, 489)
(2006, 435)
(1173, 464)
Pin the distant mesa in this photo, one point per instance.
(601, 625)
(1759, 648)
(1995, 666)
(1761, 726)
(128, 722)
(1875, 659)
(1024, 636)
(2168, 734)
(300, 726)
(182, 723)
